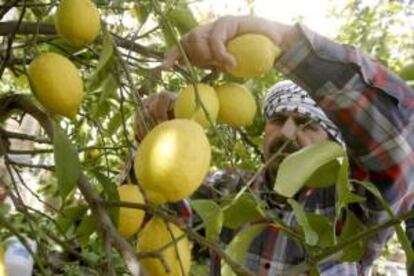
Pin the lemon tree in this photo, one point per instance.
(91, 66)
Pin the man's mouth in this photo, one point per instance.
(284, 148)
(279, 150)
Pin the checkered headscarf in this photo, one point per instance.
(286, 96)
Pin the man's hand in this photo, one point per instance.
(205, 46)
(160, 107)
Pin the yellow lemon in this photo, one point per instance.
(186, 107)
(176, 249)
(56, 83)
(130, 219)
(237, 105)
(3, 269)
(78, 21)
(172, 160)
(255, 55)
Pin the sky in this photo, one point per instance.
(315, 14)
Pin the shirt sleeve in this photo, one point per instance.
(370, 105)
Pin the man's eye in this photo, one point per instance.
(312, 125)
(308, 124)
(279, 119)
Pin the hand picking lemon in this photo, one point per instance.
(255, 55)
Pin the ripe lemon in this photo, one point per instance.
(172, 160)
(254, 54)
(56, 83)
(78, 21)
(3, 269)
(237, 105)
(130, 219)
(157, 235)
(186, 107)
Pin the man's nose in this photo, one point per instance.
(289, 129)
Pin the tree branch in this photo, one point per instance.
(28, 28)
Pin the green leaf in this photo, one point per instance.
(290, 180)
(114, 124)
(70, 216)
(168, 34)
(244, 209)
(237, 249)
(142, 11)
(86, 228)
(108, 89)
(311, 237)
(324, 176)
(325, 229)
(212, 216)
(107, 50)
(4, 208)
(354, 251)
(402, 237)
(105, 63)
(314, 271)
(199, 269)
(343, 189)
(67, 162)
(111, 193)
(182, 18)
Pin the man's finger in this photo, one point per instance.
(221, 33)
(162, 105)
(170, 58)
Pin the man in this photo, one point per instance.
(371, 107)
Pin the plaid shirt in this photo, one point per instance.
(372, 107)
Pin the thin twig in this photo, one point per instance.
(11, 39)
(108, 254)
(23, 136)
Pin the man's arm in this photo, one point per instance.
(371, 106)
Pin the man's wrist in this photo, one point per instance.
(281, 30)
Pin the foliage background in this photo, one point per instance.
(117, 69)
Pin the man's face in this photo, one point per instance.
(298, 130)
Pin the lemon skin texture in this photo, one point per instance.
(172, 160)
(186, 107)
(156, 235)
(255, 55)
(57, 84)
(130, 219)
(237, 105)
(78, 21)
